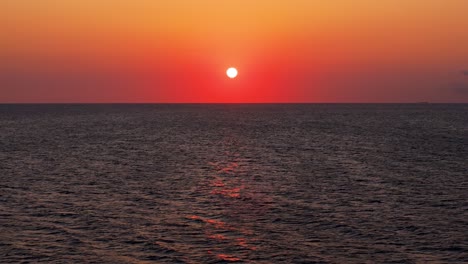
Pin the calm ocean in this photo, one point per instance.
(286, 183)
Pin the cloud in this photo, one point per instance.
(465, 73)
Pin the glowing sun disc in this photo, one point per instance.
(231, 72)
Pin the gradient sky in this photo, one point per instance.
(285, 51)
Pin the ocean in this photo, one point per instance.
(240, 183)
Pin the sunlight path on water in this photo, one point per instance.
(226, 187)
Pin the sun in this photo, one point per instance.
(231, 72)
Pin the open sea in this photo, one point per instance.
(214, 183)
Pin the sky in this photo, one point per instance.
(177, 51)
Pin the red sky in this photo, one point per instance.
(285, 51)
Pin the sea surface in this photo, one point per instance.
(292, 183)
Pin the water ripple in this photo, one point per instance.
(233, 183)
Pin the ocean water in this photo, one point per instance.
(331, 183)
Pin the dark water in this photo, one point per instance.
(234, 183)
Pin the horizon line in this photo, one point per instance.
(214, 103)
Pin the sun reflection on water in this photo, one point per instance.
(229, 187)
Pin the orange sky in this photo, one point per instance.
(286, 51)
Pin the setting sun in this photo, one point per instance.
(231, 73)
